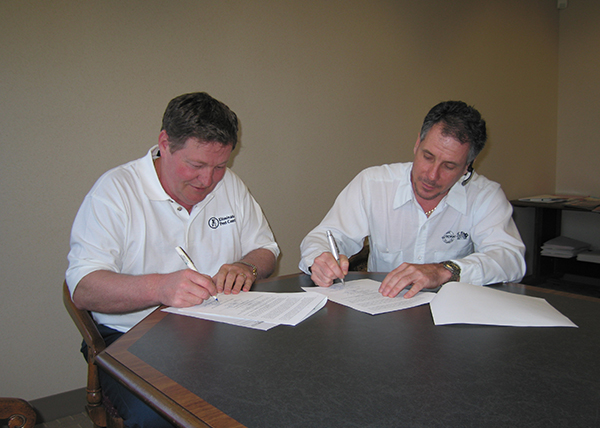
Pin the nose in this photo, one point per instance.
(433, 173)
(205, 177)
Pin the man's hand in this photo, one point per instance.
(233, 278)
(326, 268)
(114, 293)
(419, 276)
(185, 288)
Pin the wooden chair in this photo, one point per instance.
(99, 410)
(19, 413)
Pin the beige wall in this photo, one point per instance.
(323, 89)
(578, 149)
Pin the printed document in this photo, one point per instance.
(257, 309)
(363, 295)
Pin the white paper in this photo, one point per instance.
(363, 295)
(257, 325)
(461, 303)
(272, 308)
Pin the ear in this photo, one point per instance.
(417, 144)
(163, 141)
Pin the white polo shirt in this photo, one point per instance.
(128, 224)
(472, 226)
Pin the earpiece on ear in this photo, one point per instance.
(469, 173)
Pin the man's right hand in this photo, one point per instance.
(325, 269)
(114, 293)
(185, 288)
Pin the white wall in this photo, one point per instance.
(323, 89)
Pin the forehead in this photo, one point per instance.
(445, 147)
(207, 152)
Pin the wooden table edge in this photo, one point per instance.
(156, 389)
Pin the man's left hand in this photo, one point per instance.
(419, 276)
(233, 278)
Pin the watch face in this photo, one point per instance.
(453, 268)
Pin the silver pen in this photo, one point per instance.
(188, 262)
(334, 249)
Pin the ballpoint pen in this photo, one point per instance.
(334, 249)
(189, 263)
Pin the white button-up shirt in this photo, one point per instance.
(471, 226)
(128, 224)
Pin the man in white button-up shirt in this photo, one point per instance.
(123, 262)
(428, 222)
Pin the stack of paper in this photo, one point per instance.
(363, 295)
(563, 247)
(454, 303)
(589, 256)
(544, 199)
(257, 309)
(460, 303)
(588, 203)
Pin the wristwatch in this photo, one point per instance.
(454, 268)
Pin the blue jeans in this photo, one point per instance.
(134, 412)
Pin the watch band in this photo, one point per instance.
(254, 268)
(453, 268)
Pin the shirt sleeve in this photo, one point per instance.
(348, 222)
(97, 239)
(498, 249)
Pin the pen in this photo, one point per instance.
(334, 249)
(189, 263)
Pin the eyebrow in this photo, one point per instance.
(443, 161)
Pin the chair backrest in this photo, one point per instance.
(19, 413)
(95, 343)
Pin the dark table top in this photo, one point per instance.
(344, 368)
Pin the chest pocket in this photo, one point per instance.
(452, 245)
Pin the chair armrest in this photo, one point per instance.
(18, 412)
(85, 324)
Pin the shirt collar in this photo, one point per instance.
(149, 177)
(456, 198)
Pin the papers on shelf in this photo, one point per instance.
(563, 247)
(589, 256)
(548, 199)
(257, 309)
(588, 203)
(363, 295)
(460, 303)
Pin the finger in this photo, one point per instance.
(394, 283)
(413, 291)
(344, 264)
(248, 283)
(319, 279)
(330, 268)
(229, 281)
(239, 282)
(201, 284)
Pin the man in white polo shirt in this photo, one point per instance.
(123, 263)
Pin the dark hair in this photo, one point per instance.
(198, 115)
(460, 121)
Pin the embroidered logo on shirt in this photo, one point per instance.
(215, 222)
(449, 237)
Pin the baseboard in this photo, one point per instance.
(59, 405)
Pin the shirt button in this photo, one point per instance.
(179, 208)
